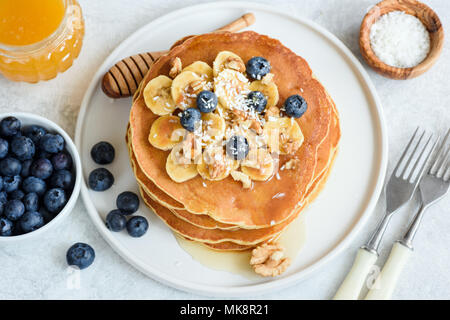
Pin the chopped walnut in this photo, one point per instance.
(268, 78)
(176, 68)
(187, 151)
(273, 112)
(256, 125)
(268, 260)
(234, 64)
(288, 144)
(292, 164)
(217, 169)
(240, 176)
(196, 86)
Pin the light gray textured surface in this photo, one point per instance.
(38, 270)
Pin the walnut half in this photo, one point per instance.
(176, 68)
(268, 260)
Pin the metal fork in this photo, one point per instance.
(399, 190)
(434, 185)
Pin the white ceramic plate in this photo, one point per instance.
(332, 220)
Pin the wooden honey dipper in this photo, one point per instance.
(123, 79)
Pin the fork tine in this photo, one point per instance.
(424, 164)
(406, 151)
(439, 153)
(412, 155)
(444, 163)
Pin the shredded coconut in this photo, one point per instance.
(400, 40)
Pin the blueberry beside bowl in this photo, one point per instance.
(40, 176)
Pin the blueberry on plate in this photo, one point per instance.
(16, 195)
(62, 179)
(4, 148)
(116, 221)
(237, 147)
(11, 183)
(30, 221)
(127, 202)
(100, 179)
(295, 106)
(26, 166)
(9, 126)
(14, 209)
(206, 101)
(31, 201)
(257, 101)
(137, 226)
(33, 184)
(52, 143)
(62, 161)
(10, 167)
(81, 255)
(54, 200)
(42, 168)
(6, 227)
(103, 153)
(190, 119)
(35, 133)
(22, 148)
(257, 67)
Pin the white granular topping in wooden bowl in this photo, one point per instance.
(400, 40)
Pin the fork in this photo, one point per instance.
(433, 186)
(399, 190)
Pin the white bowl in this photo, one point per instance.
(30, 119)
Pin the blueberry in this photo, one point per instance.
(4, 148)
(100, 179)
(3, 197)
(257, 101)
(31, 201)
(54, 200)
(62, 179)
(116, 221)
(137, 226)
(41, 154)
(30, 221)
(62, 161)
(52, 143)
(190, 118)
(26, 166)
(206, 101)
(1, 183)
(22, 148)
(33, 184)
(11, 183)
(46, 215)
(257, 68)
(14, 209)
(16, 195)
(10, 167)
(6, 227)
(81, 255)
(103, 153)
(41, 168)
(9, 126)
(237, 147)
(127, 202)
(295, 106)
(35, 133)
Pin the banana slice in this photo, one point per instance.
(157, 96)
(166, 132)
(270, 90)
(213, 128)
(231, 88)
(259, 169)
(202, 69)
(227, 60)
(223, 112)
(180, 172)
(185, 88)
(215, 165)
(283, 135)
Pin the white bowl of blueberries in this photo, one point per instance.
(40, 176)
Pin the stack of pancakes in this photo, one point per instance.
(222, 214)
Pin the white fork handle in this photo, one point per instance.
(355, 279)
(387, 280)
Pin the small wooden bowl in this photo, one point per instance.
(421, 11)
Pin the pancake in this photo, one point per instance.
(226, 201)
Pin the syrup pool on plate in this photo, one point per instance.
(39, 38)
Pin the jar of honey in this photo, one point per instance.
(39, 38)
